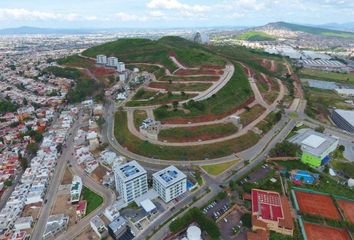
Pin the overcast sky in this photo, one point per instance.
(170, 13)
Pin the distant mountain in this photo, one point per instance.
(34, 30)
(284, 27)
(339, 26)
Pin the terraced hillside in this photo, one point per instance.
(195, 92)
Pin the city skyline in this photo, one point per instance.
(170, 13)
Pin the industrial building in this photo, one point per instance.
(345, 92)
(344, 119)
(315, 146)
(101, 59)
(131, 181)
(169, 183)
(75, 190)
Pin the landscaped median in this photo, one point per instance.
(93, 199)
(217, 169)
(145, 148)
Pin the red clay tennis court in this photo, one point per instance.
(317, 204)
(348, 209)
(319, 232)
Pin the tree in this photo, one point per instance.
(175, 104)
(246, 220)
(285, 149)
(100, 121)
(320, 129)
(32, 148)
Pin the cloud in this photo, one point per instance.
(25, 14)
(128, 17)
(177, 5)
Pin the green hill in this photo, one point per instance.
(315, 30)
(150, 51)
(255, 36)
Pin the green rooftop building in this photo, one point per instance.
(315, 146)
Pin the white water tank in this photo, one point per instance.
(194, 233)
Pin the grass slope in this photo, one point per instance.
(234, 93)
(145, 148)
(150, 51)
(323, 75)
(317, 30)
(205, 132)
(255, 36)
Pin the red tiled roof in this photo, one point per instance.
(266, 204)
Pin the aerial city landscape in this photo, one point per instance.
(177, 120)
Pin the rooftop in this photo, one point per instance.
(348, 115)
(130, 170)
(169, 176)
(313, 142)
(267, 204)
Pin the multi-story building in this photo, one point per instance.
(101, 59)
(121, 67)
(131, 181)
(169, 183)
(315, 146)
(112, 62)
(75, 190)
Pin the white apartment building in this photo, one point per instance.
(101, 59)
(131, 180)
(112, 62)
(169, 183)
(121, 67)
(75, 190)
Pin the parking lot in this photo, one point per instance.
(232, 227)
(217, 208)
(258, 174)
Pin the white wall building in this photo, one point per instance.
(131, 180)
(98, 226)
(169, 183)
(75, 190)
(121, 67)
(23, 223)
(101, 59)
(112, 62)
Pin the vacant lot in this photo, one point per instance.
(251, 114)
(319, 101)
(192, 134)
(181, 86)
(235, 93)
(144, 94)
(62, 205)
(190, 79)
(217, 169)
(139, 117)
(136, 145)
(159, 99)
